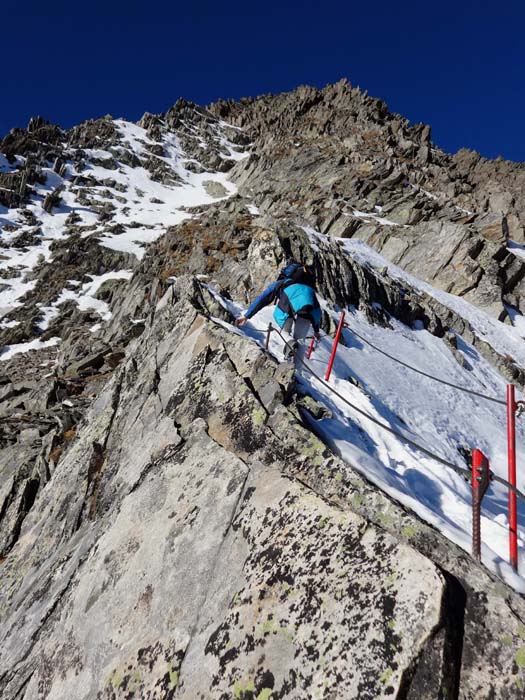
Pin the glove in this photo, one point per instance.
(317, 335)
(240, 321)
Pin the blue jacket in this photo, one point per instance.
(293, 300)
(265, 298)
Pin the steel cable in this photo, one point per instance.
(462, 471)
(425, 374)
(442, 460)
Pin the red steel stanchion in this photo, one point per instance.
(511, 444)
(480, 483)
(310, 349)
(334, 347)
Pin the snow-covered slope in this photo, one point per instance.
(123, 194)
(444, 420)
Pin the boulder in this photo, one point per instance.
(493, 227)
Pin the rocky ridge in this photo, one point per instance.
(227, 553)
(338, 160)
(163, 502)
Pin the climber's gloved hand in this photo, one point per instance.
(240, 321)
(317, 335)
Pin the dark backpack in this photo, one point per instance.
(295, 273)
(289, 271)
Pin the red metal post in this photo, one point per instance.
(480, 483)
(312, 343)
(511, 444)
(477, 461)
(334, 347)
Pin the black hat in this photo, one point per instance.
(304, 275)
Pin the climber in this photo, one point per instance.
(297, 305)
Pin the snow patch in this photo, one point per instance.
(8, 351)
(438, 417)
(84, 297)
(370, 215)
(516, 249)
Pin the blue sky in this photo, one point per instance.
(458, 66)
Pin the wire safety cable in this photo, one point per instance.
(425, 374)
(459, 470)
(462, 471)
(442, 460)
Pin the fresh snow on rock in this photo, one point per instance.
(143, 207)
(85, 297)
(140, 189)
(10, 350)
(438, 417)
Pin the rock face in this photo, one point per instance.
(196, 541)
(334, 159)
(170, 525)
(338, 160)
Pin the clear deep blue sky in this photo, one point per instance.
(458, 66)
